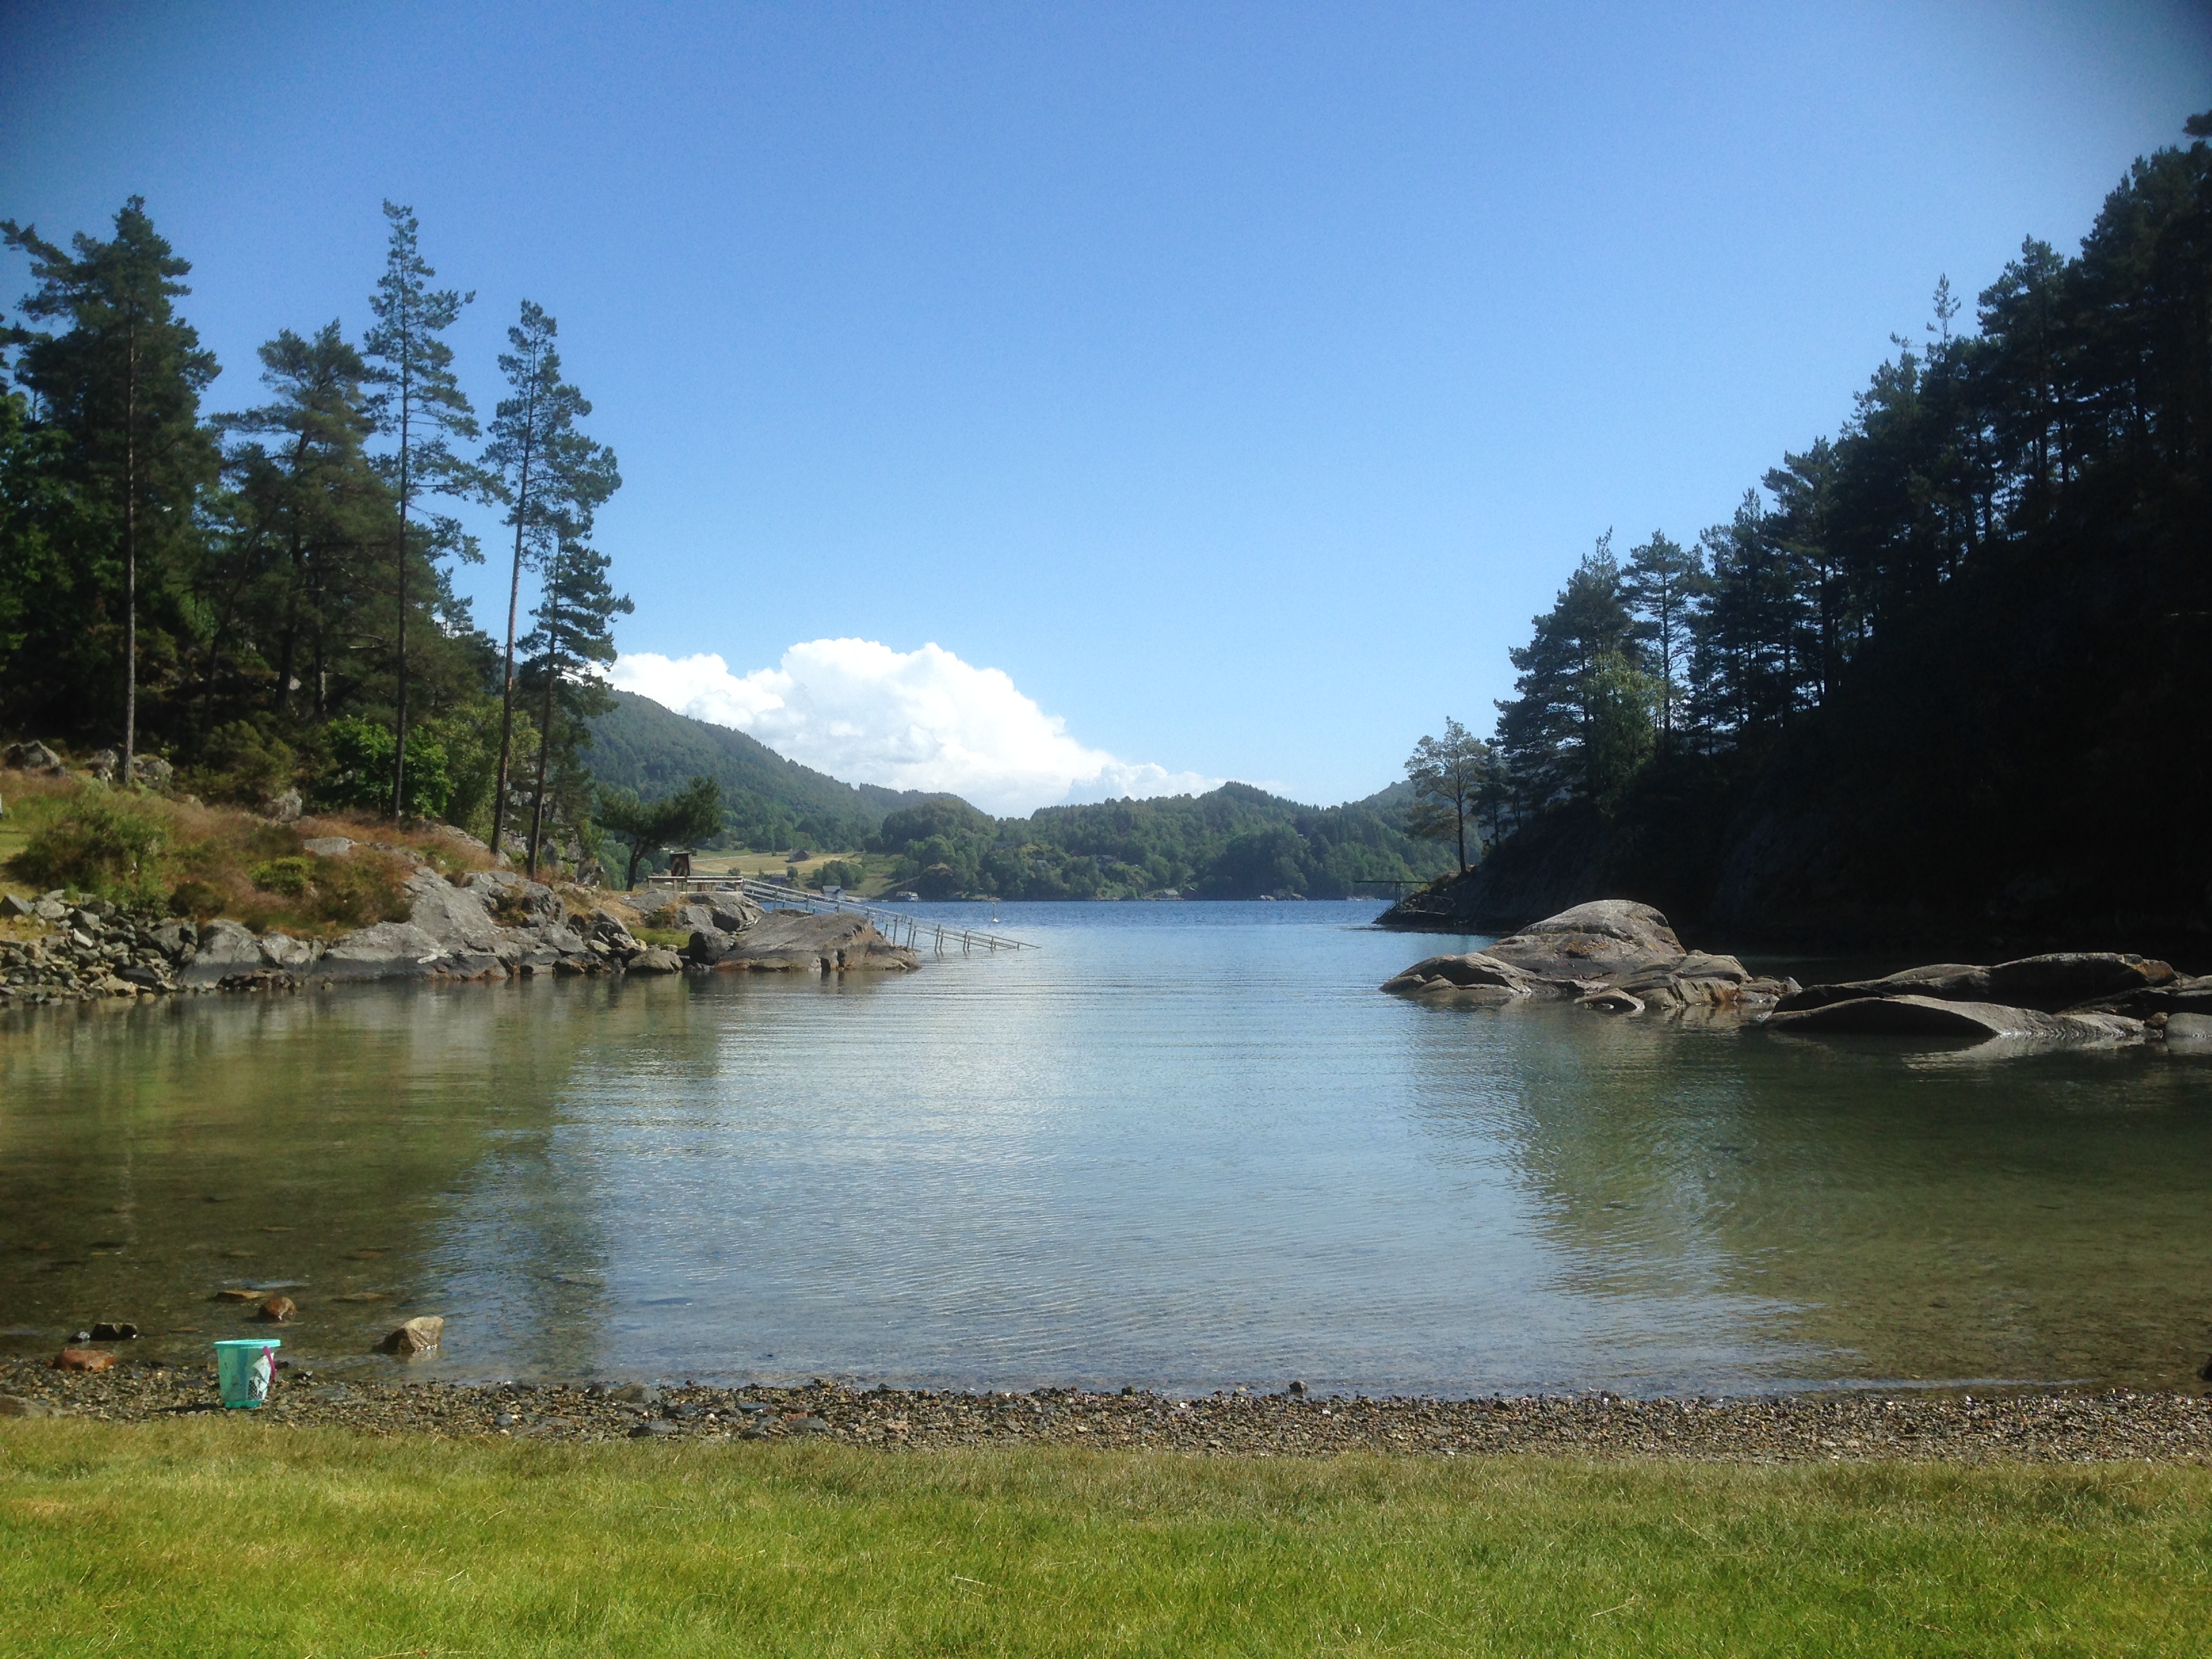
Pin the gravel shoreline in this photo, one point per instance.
(2039, 1427)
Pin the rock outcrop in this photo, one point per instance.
(793, 941)
(2050, 984)
(2068, 997)
(1610, 956)
(1911, 1015)
(495, 924)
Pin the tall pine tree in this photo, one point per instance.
(419, 404)
(121, 384)
(548, 476)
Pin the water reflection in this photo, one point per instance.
(1188, 1145)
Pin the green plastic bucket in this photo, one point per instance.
(243, 1367)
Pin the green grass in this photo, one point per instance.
(229, 1536)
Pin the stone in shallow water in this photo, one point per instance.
(416, 1336)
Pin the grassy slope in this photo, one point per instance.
(231, 1536)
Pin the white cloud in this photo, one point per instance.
(912, 720)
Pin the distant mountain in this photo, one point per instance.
(771, 801)
(1235, 841)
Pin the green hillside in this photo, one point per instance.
(1236, 842)
(769, 801)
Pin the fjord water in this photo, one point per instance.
(1186, 1145)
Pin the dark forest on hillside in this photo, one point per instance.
(1944, 674)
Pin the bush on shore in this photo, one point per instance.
(185, 858)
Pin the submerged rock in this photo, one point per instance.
(416, 1337)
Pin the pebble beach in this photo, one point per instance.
(2025, 1426)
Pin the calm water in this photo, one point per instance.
(1186, 1145)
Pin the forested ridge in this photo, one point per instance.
(1235, 841)
(1943, 673)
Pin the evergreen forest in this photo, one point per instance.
(1942, 672)
(253, 598)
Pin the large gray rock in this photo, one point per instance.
(1600, 941)
(2180, 995)
(31, 757)
(2191, 1033)
(458, 918)
(2050, 983)
(729, 913)
(1936, 1017)
(283, 951)
(285, 808)
(1474, 979)
(225, 948)
(1588, 953)
(656, 961)
(789, 941)
(152, 771)
(1950, 981)
(532, 904)
(390, 950)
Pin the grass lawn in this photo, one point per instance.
(879, 866)
(221, 1536)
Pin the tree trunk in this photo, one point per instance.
(513, 603)
(400, 748)
(131, 554)
(545, 722)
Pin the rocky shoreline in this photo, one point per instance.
(2039, 1427)
(489, 925)
(1617, 956)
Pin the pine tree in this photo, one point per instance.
(575, 634)
(420, 405)
(308, 514)
(1664, 585)
(1542, 731)
(122, 385)
(532, 467)
(1448, 775)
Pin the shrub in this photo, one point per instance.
(240, 765)
(362, 889)
(294, 877)
(96, 841)
(195, 899)
(361, 753)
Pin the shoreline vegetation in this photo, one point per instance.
(1884, 703)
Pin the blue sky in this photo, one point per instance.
(1219, 388)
